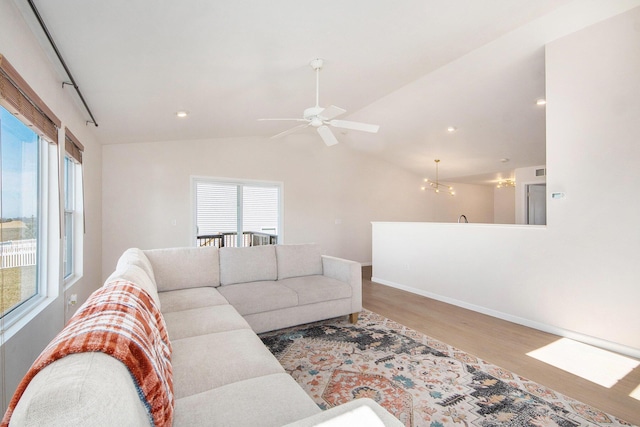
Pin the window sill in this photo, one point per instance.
(71, 280)
(30, 311)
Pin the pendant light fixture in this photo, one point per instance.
(436, 186)
(506, 183)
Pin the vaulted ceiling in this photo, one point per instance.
(415, 67)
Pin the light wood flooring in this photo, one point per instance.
(499, 342)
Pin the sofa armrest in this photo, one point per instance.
(346, 271)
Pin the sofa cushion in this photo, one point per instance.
(298, 260)
(187, 299)
(312, 289)
(136, 275)
(205, 362)
(298, 315)
(79, 389)
(270, 400)
(179, 268)
(135, 256)
(252, 264)
(258, 297)
(203, 321)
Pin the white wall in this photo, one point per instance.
(504, 205)
(22, 50)
(147, 185)
(578, 275)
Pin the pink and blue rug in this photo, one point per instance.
(422, 381)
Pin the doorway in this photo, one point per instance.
(236, 213)
(537, 204)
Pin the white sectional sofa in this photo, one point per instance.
(214, 302)
(272, 287)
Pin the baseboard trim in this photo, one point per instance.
(586, 339)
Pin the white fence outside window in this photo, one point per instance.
(18, 253)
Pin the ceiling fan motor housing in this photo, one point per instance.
(316, 64)
(312, 114)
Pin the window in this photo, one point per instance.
(237, 213)
(29, 219)
(69, 205)
(20, 213)
(73, 223)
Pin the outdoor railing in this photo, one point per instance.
(249, 238)
(18, 253)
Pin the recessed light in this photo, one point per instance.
(541, 101)
(452, 129)
(504, 160)
(182, 113)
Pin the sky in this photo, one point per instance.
(18, 168)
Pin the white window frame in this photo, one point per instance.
(48, 254)
(72, 206)
(68, 213)
(238, 182)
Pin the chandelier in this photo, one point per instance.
(436, 185)
(506, 183)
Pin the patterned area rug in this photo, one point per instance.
(423, 382)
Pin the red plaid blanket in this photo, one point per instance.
(121, 320)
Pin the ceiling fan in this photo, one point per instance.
(323, 118)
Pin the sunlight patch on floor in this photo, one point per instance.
(591, 363)
(636, 393)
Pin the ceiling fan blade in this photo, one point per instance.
(331, 111)
(345, 124)
(280, 120)
(287, 132)
(327, 136)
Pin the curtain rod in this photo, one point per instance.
(64, 64)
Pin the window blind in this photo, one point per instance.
(18, 97)
(73, 146)
(216, 207)
(260, 209)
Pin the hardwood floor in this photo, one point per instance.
(500, 342)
